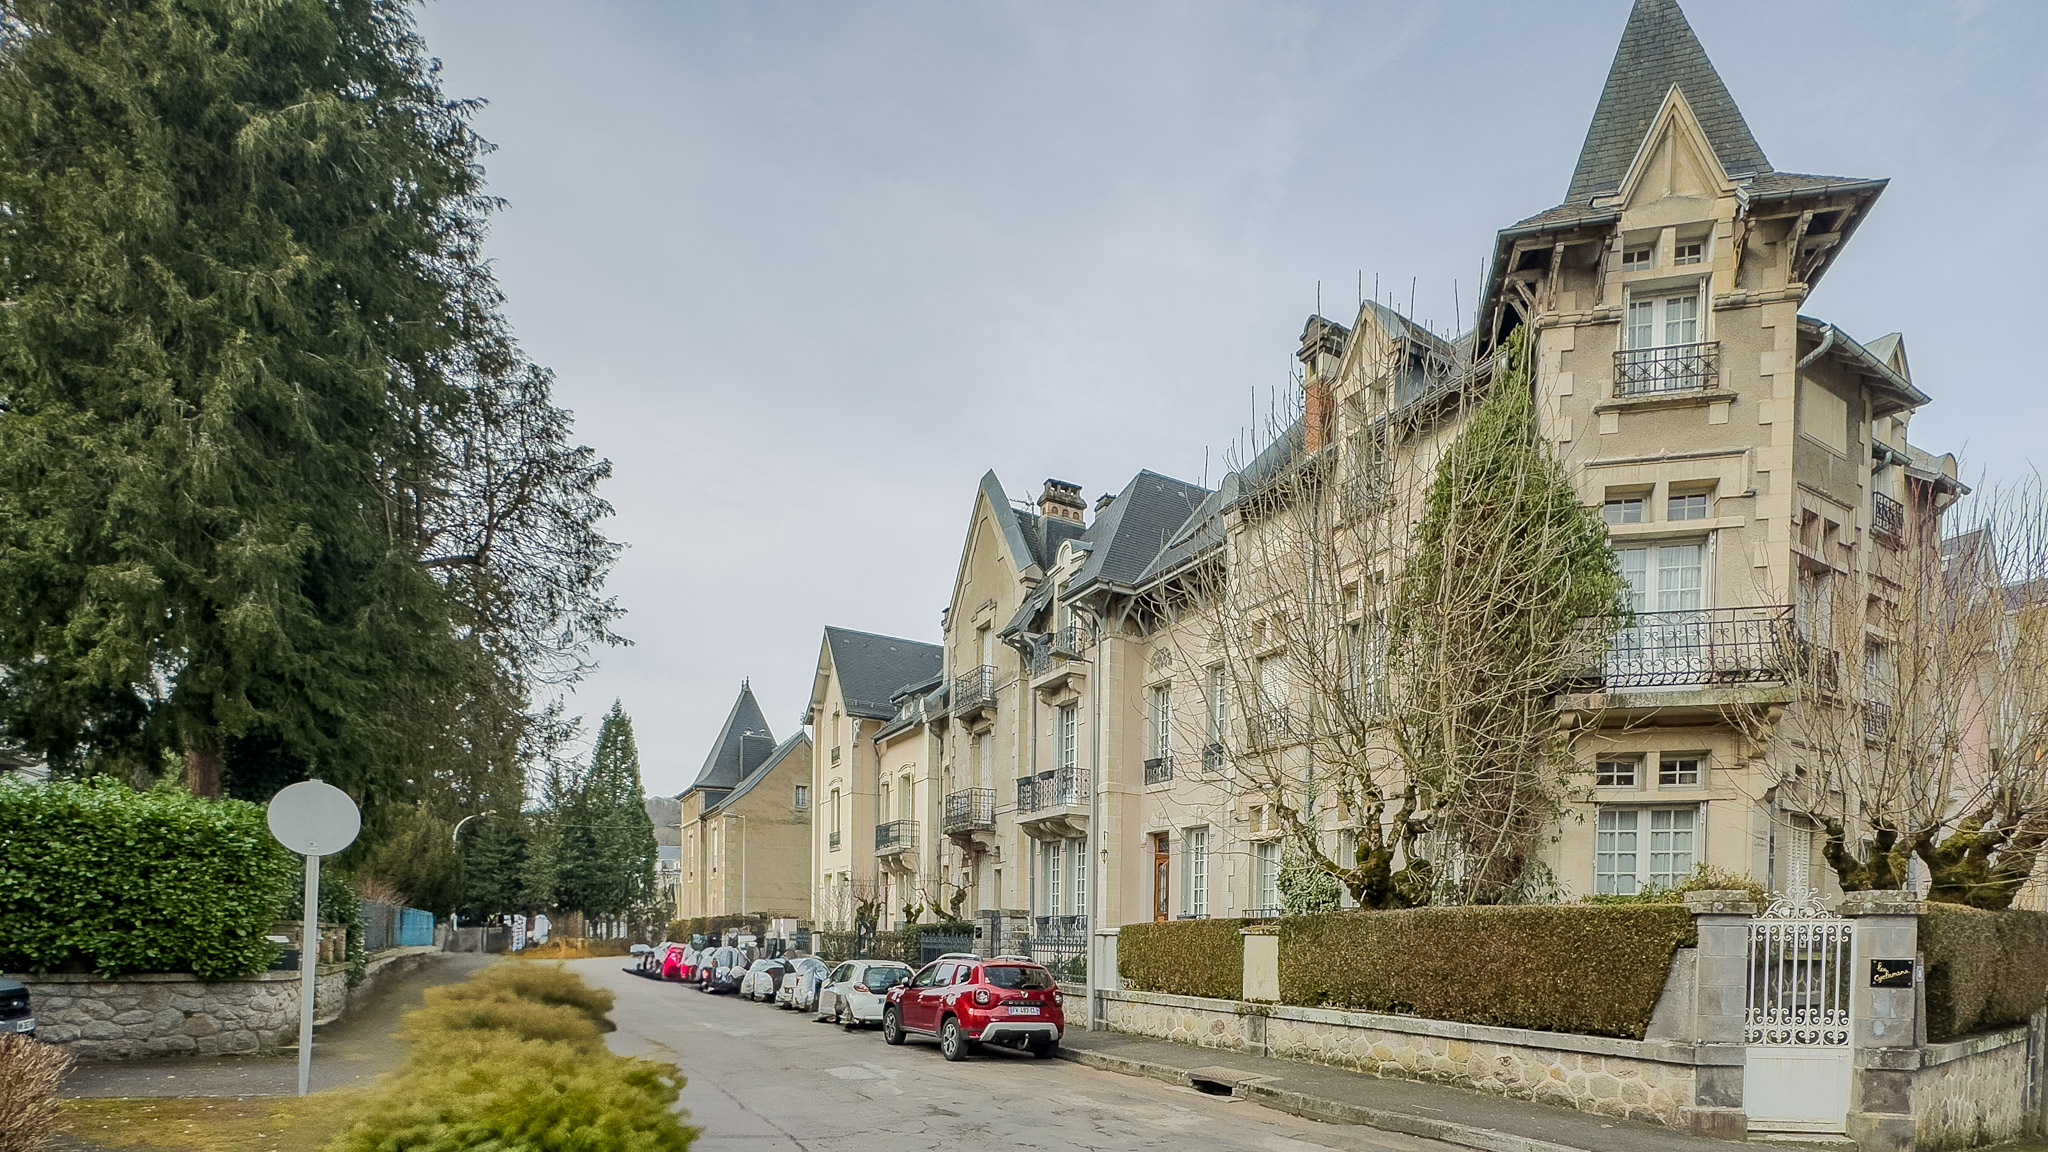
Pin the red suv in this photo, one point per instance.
(967, 1001)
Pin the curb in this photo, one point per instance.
(1255, 1089)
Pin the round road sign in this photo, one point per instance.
(314, 819)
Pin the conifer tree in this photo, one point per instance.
(606, 852)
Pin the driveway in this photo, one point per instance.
(764, 1080)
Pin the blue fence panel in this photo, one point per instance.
(415, 928)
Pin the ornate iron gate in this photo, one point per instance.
(1796, 1017)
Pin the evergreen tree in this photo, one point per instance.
(606, 852)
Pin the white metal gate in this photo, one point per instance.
(1796, 1017)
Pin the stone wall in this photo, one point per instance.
(1971, 1092)
(1643, 1080)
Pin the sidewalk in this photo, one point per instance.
(355, 1049)
(1411, 1107)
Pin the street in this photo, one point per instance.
(762, 1079)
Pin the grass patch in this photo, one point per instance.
(213, 1124)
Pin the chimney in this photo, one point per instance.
(1062, 501)
(754, 750)
(1322, 352)
(1104, 501)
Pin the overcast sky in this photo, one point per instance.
(807, 271)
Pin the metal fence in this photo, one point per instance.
(931, 946)
(395, 926)
(1065, 955)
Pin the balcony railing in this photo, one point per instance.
(1159, 769)
(1673, 368)
(1887, 517)
(832, 840)
(974, 688)
(1703, 646)
(1268, 729)
(1214, 758)
(895, 836)
(1060, 788)
(970, 809)
(1877, 721)
(1070, 641)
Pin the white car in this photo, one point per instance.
(762, 978)
(852, 995)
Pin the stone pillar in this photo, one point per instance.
(1886, 1038)
(1262, 962)
(1719, 994)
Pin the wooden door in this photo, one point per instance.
(1161, 871)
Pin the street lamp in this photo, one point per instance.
(456, 836)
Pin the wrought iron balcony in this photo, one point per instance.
(1701, 647)
(895, 837)
(1673, 368)
(1877, 721)
(1887, 517)
(1159, 769)
(1070, 641)
(1269, 729)
(832, 840)
(975, 689)
(970, 809)
(1057, 649)
(1214, 758)
(1060, 788)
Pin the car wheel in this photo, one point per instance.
(1044, 1049)
(848, 1023)
(892, 1026)
(953, 1041)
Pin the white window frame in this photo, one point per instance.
(1218, 704)
(1159, 710)
(803, 797)
(1079, 884)
(1664, 318)
(1626, 854)
(1067, 737)
(1195, 863)
(1053, 853)
(1266, 874)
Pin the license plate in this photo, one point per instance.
(28, 1025)
(1023, 1009)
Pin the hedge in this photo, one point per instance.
(715, 927)
(1183, 957)
(1985, 970)
(1583, 969)
(95, 876)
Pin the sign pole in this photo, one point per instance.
(309, 950)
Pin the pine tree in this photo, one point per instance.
(606, 854)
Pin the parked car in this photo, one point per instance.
(690, 955)
(799, 990)
(968, 1002)
(721, 970)
(763, 977)
(646, 960)
(852, 994)
(16, 1013)
(671, 961)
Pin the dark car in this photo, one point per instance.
(966, 1002)
(16, 1015)
(721, 970)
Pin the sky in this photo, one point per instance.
(806, 271)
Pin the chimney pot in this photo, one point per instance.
(1062, 501)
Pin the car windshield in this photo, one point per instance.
(1016, 976)
(883, 979)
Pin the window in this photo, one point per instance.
(1160, 715)
(1624, 510)
(904, 798)
(1687, 253)
(1067, 751)
(835, 811)
(1622, 867)
(803, 796)
(1195, 861)
(1080, 884)
(1691, 506)
(1273, 683)
(985, 759)
(1619, 772)
(1664, 577)
(1266, 874)
(1054, 850)
(1679, 769)
(1219, 705)
(1636, 259)
(1664, 321)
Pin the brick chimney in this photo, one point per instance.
(1321, 354)
(1062, 501)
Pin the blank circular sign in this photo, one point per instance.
(314, 819)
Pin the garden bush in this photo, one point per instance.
(1584, 969)
(1985, 970)
(1183, 958)
(30, 1074)
(95, 876)
(520, 1070)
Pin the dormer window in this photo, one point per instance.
(1636, 259)
(1687, 253)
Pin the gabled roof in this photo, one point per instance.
(801, 742)
(873, 669)
(1129, 534)
(727, 762)
(1892, 390)
(1658, 50)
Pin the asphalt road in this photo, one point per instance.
(764, 1080)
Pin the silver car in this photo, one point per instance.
(852, 995)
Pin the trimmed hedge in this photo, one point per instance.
(1985, 970)
(1583, 969)
(1183, 957)
(95, 876)
(715, 926)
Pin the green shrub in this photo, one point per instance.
(447, 1017)
(97, 876)
(1985, 970)
(1705, 878)
(509, 1095)
(1556, 968)
(1183, 957)
(544, 983)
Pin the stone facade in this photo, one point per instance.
(1971, 1092)
(1640, 1080)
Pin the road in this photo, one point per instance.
(764, 1080)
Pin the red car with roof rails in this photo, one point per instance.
(966, 1001)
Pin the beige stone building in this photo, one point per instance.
(745, 823)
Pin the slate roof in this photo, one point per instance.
(873, 669)
(727, 762)
(767, 767)
(1658, 49)
(1129, 534)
